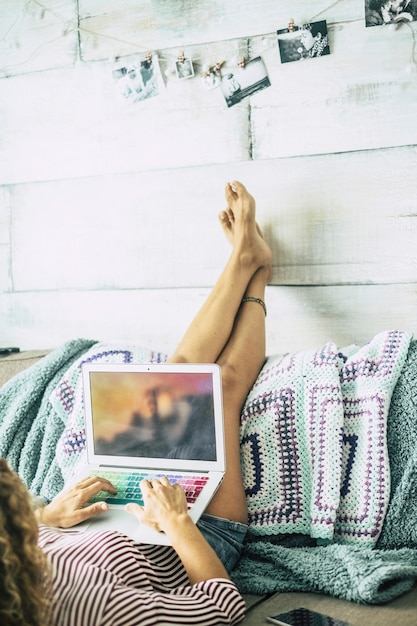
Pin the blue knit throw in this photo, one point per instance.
(29, 427)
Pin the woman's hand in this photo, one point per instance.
(68, 508)
(162, 502)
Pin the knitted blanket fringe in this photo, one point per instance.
(355, 573)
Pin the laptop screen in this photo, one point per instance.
(156, 415)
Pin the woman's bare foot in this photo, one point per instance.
(240, 227)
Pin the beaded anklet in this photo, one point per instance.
(258, 300)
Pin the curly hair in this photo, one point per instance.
(24, 577)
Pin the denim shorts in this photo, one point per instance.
(225, 537)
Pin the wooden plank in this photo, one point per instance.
(136, 232)
(298, 317)
(5, 240)
(341, 102)
(37, 35)
(118, 29)
(302, 317)
(335, 219)
(76, 124)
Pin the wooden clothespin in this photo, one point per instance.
(213, 69)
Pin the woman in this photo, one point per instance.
(315, 43)
(106, 578)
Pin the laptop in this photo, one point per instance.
(152, 420)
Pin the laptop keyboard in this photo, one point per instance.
(128, 489)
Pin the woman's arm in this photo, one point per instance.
(198, 557)
(165, 508)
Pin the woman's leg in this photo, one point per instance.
(210, 330)
(241, 361)
(232, 333)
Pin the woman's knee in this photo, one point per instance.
(233, 383)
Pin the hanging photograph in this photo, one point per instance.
(184, 68)
(241, 82)
(303, 42)
(140, 80)
(378, 12)
(212, 77)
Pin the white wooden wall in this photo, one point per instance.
(108, 211)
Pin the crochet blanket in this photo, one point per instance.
(42, 434)
(313, 441)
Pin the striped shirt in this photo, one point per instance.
(104, 578)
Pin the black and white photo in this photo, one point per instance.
(380, 12)
(241, 82)
(303, 42)
(184, 68)
(139, 81)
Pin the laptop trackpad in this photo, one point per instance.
(123, 522)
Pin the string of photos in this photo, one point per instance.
(142, 79)
(295, 43)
